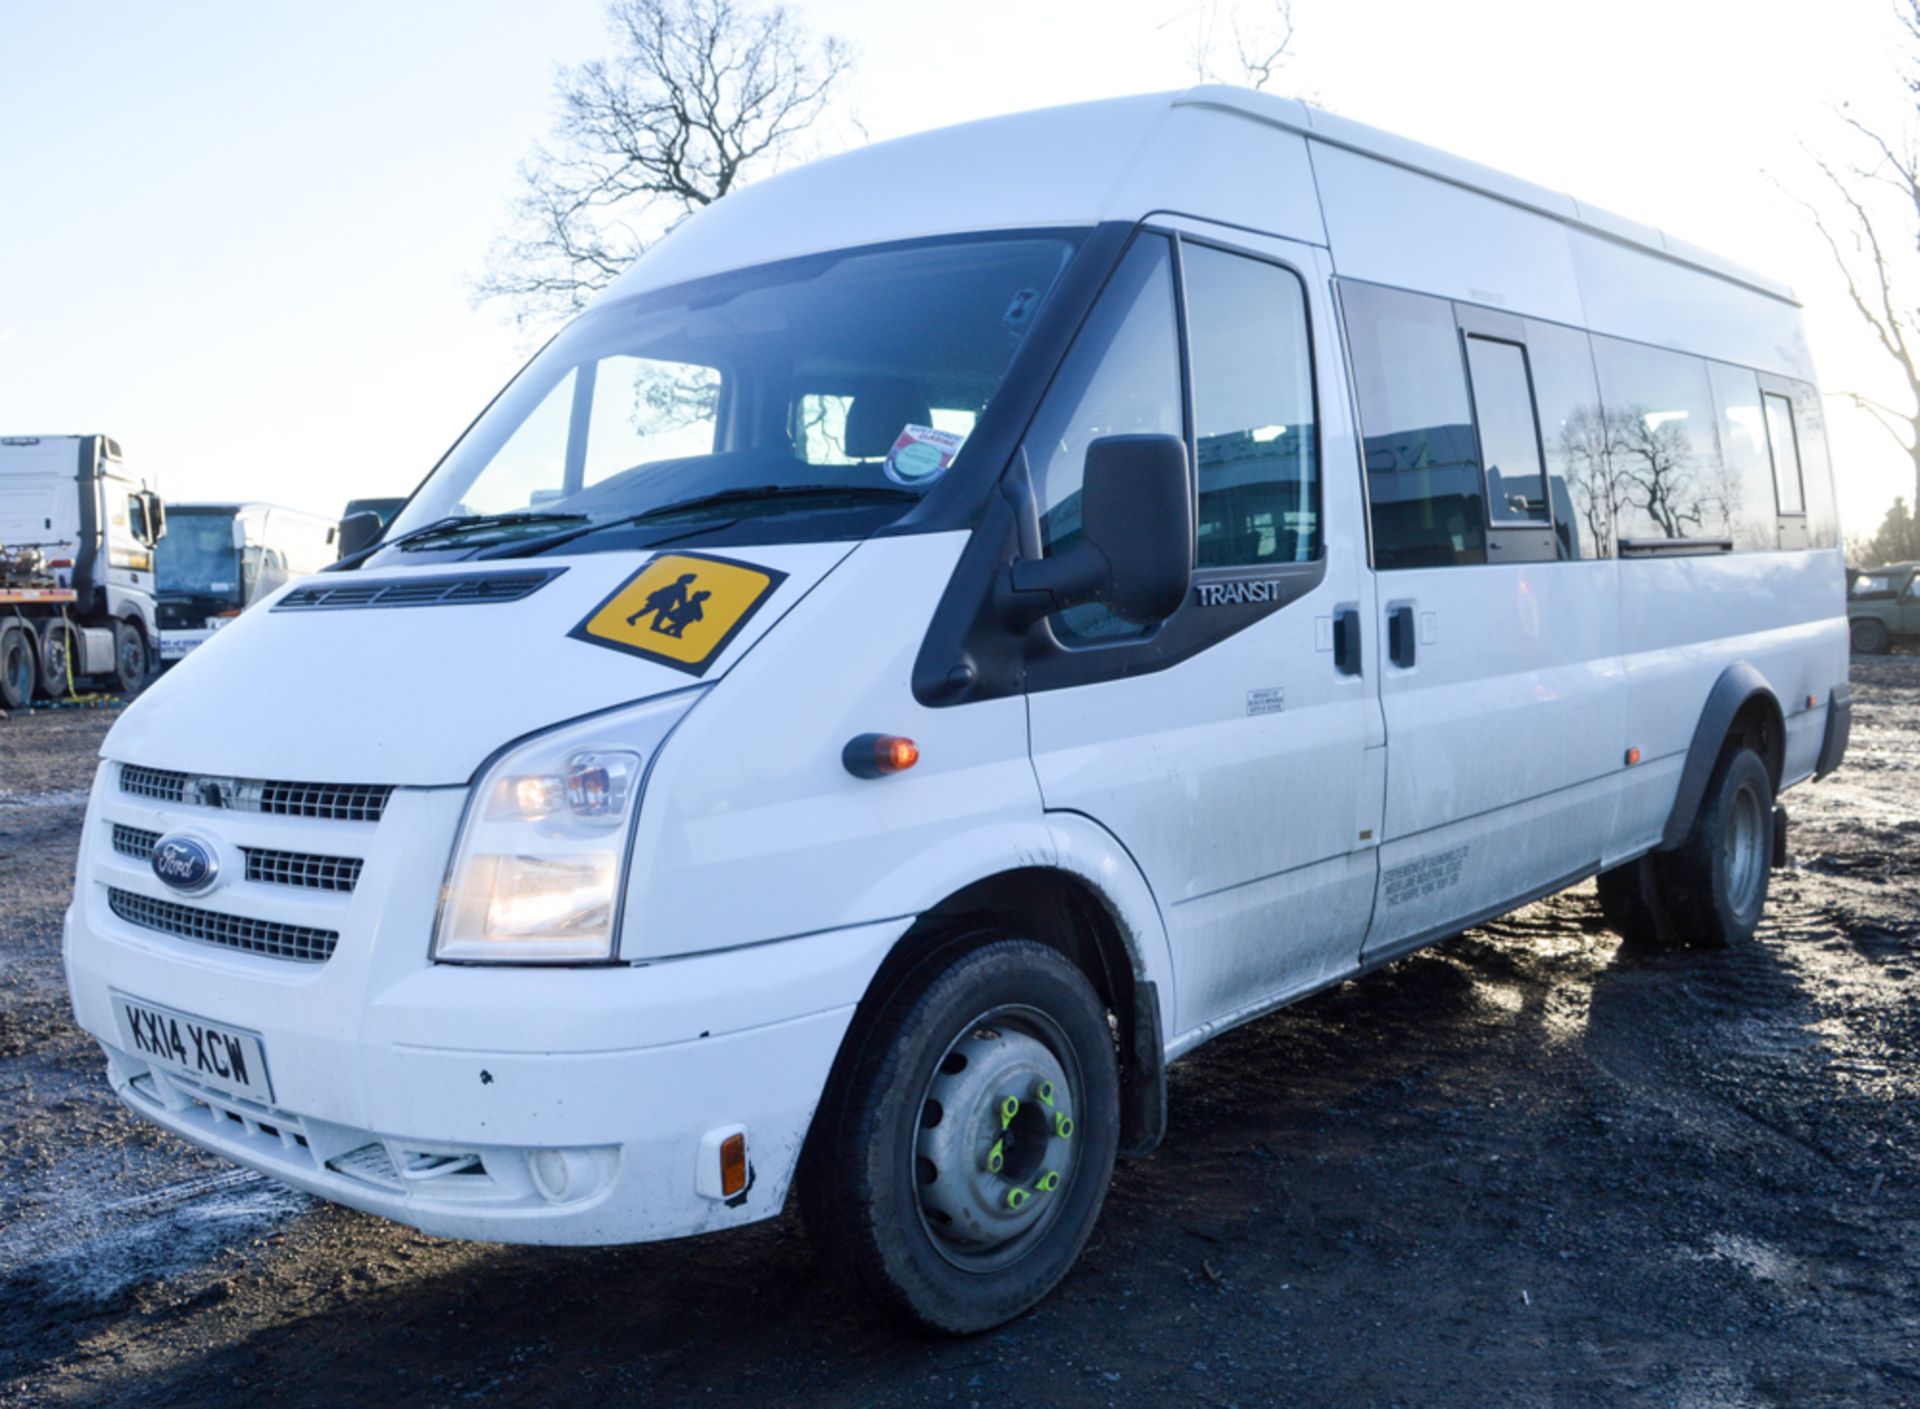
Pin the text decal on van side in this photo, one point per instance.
(681, 609)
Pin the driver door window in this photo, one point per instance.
(1122, 377)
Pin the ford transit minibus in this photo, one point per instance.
(955, 627)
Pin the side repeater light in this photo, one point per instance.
(877, 755)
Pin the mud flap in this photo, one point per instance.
(1143, 1083)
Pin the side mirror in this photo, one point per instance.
(156, 515)
(357, 532)
(1134, 553)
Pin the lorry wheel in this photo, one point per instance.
(1630, 900)
(963, 1150)
(17, 674)
(56, 661)
(1715, 882)
(1869, 635)
(131, 664)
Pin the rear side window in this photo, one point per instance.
(1662, 449)
(1786, 454)
(1755, 525)
(1573, 433)
(1509, 435)
(1423, 469)
(1253, 411)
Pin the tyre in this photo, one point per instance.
(965, 1145)
(1869, 636)
(57, 678)
(1715, 882)
(17, 670)
(131, 664)
(1630, 900)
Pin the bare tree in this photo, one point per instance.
(1876, 218)
(1262, 42)
(701, 96)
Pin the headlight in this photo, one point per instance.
(539, 873)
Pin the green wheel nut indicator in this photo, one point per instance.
(1048, 1182)
(1045, 1093)
(1009, 1108)
(997, 1156)
(1016, 1197)
(1063, 1125)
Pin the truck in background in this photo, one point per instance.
(77, 535)
(221, 558)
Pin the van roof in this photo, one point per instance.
(1066, 166)
(1292, 116)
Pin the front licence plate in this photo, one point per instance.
(211, 1052)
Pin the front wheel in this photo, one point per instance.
(960, 1160)
(131, 664)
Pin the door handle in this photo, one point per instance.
(1400, 637)
(1346, 640)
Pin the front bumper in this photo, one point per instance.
(494, 1103)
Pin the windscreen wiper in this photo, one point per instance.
(461, 524)
(700, 503)
(453, 524)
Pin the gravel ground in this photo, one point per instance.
(1524, 1167)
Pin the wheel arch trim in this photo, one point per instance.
(1741, 689)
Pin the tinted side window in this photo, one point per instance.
(1662, 451)
(1423, 470)
(1509, 436)
(1786, 454)
(1573, 432)
(1121, 377)
(1743, 450)
(1252, 409)
(1816, 474)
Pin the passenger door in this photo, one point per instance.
(1501, 674)
(1233, 749)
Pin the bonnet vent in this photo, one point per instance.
(468, 589)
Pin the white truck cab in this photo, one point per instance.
(899, 670)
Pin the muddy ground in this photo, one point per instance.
(1525, 1167)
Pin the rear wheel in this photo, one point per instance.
(131, 664)
(960, 1161)
(57, 662)
(1715, 882)
(17, 672)
(1870, 636)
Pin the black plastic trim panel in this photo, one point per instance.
(469, 589)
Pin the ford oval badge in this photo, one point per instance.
(185, 863)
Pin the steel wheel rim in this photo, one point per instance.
(132, 659)
(1745, 864)
(976, 1125)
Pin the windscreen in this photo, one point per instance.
(197, 557)
(828, 393)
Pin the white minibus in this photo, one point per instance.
(955, 627)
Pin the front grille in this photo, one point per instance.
(132, 841)
(268, 937)
(293, 868)
(274, 868)
(332, 802)
(467, 589)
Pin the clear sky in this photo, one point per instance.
(240, 237)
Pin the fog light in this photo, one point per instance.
(561, 1175)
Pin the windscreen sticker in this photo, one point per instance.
(681, 609)
(921, 453)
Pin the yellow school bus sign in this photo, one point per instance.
(681, 609)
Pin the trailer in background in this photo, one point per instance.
(221, 558)
(77, 535)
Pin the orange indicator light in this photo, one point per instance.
(1633, 757)
(733, 1165)
(876, 755)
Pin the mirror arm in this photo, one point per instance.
(1035, 587)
